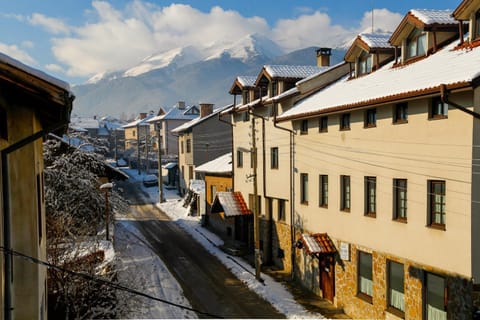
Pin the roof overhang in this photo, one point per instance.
(462, 12)
(231, 204)
(318, 244)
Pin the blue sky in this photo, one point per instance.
(76, 39)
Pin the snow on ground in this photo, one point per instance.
(271, 290)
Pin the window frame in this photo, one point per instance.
(323, 124)
(360, 293)
(370, 120)
(476, 26)
(390, 307)
(345, 193)
(274, 158)
(344, 121)
(365, 63)
(400, 113)
(304, 188)
(398, 200)
(304, 126)
(189, 145)
(426, 292)
(323, 190)
(414, 41)
(437, 109)
(433, 203)
(239, 159)
(370, 196)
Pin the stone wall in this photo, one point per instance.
(460, 290)
(279, 244)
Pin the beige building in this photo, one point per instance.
(32, 104)
(255, 130)
(386, 188)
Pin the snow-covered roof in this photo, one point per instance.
(198, 120)
(230, 203)
(376, 40)
(247, 81)
(430, 16)
(222, 164)
(291, 71)
(37, 73)
(197, 186)
(447, 66)
(177, 114)
(84, 122)
(139, 122)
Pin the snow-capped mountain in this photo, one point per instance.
(188, 74)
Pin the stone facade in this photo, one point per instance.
(460, 294)
(277, 249)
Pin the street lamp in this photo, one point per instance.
(107, 187)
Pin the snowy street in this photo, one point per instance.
(159, 257)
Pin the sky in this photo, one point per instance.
(74, 40)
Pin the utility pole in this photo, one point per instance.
(147, 136)
(256, 222)
(160, 171)
(138, 148)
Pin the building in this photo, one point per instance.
(257, 134)
(32, 105)
(201, 140)
(176, 116)
(387, 190)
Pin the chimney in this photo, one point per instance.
(143, 115)
(205, 109)
(323, 57)
(181, 105)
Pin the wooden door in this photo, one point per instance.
(327, 276)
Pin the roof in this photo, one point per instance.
(247, 81)
(139, 122)
(84, 122)
(376, 40)
(289, 71)
(230, 203)
(198, 120)
(175, 113)
(447, 66)
(170, 165)
(319, 243)
(222, 164)
(462, 12)
(429, 16)
(197, 186)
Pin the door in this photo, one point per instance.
(327, 276)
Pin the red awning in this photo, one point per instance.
(318, 243)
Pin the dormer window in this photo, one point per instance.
(477, 25)
(364, 63)
(416, 44)
(245, 96)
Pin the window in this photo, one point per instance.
(323, 124)
(416, 43)
(246, 116)
(438, 109)
(364, 277)
(274, 158)
(189, 145)
(213, 193)
(190, 173)
(269, 207)
(3, 124)
(323, 186)
(371, 196)
(435, 297)
(477, 25)
(345, 193)
(395, 288)
(364, 63)
(304, 188)
(304, 127)
(370, 118)
(400, 199)
(134, 133)
(239, 159)
(281, 210)
(436, 207)
(345, 121)
(181, 147)
(400, 113)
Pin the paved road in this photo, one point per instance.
(206, 282)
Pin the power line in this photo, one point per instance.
(102, 281)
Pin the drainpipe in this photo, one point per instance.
(444, 97)
(292, 186)
(8, 260)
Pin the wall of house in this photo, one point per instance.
(27, 215)
(170, 141)
(475, 194)
(418, 151)
(212, 138)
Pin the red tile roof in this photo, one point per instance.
(318, 243)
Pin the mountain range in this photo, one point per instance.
(188, 74)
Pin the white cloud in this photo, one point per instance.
(17, 53)
(54, 68)
(53, 25)
(383, 19)
(28, 44)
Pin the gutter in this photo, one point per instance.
(444, 97)
(8, 260)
